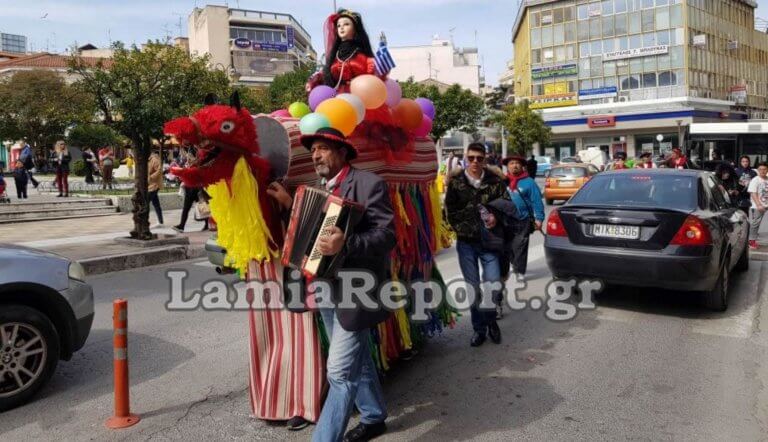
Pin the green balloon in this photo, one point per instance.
(299, 110)
(310, 123)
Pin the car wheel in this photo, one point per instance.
(550, 202)
(29, 352)
(717, 298)
(742, 265)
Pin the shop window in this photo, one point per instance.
(667, 78)
(663, 61)
(608, 26)
(594, 28)
(596, 47)
(559, 34)
(569, 13)
(630, 82)
(636, 41)
(636, 66)
(548, 55)
(676, 57)
(608, 45)
(536, 56)
(584, 49)
(557, 15)
(583, 30)
(610, 81)
(584, 68)
(620, 27)
(535, 19)
(546, 36)
(649, 64)
(583, 12)
(607, 7)
(560, 53)
(649, 80)
(620, 6)
(597, 67)
(570, 32)
(662, 38)
(662, 18)
(623, 43)
(609, 68)
(536, 38)
(676, 16)
(634, 23)
(647, 19)
(649, 39)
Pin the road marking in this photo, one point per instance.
(204, 264)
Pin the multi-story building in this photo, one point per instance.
(13, 43)
(253, 46)
(440, 61)
(632, 75)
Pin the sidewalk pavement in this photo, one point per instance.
(91, 241)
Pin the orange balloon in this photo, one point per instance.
(341, 114)
(409, 114)
(370, 89)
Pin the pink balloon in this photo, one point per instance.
(424, 128)
(394, 93)
(281, 113)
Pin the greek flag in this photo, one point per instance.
(383, 59)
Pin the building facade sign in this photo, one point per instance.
(290, 35)
(556, 88)
(700, 40)
(601, 92)
(601, 121)
(739, 93)
(637, 52)
(242, 43)
(561, 70)
(557, 100)
(268, 46)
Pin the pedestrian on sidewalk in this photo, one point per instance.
(192, 195)
(155, 180)
(744, 173)
(728, 182)
(27, 158)
(20, 178)
(130, 163)
(526, 196)
(90, 164)
(758, 191)
(107, 162)
(61, 161)
(531, 166)
(469, 191)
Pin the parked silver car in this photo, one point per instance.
(46, 312)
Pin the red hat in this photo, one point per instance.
(330, 134)
(517, 158)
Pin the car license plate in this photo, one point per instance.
(614, 231)
(565, 183)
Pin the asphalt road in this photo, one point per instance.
(646, 364)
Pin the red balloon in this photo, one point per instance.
(409, 114)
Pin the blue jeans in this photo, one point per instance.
(352, 378)
(469, 255)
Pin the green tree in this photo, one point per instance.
(289, 87)
(455, 109)
(141, 90)
(524, 127)
(93, 135)
(256, 100)
(39, 105)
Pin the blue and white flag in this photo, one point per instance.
(383, 59)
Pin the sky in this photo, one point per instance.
(57, 24)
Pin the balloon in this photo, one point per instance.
(320, 94)
(340, 114)
(424, 128)
(427, 107)
(298, 109)
(356, 103)
(394, 92)
(370, 89)
(281, 113)
(408, 114)
(310, 123)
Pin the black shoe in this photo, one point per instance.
(59, 196)
(494, 332)
(363, 432)
(180, 229)
(297, 423)
(477, 340)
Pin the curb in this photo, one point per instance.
(140, 258)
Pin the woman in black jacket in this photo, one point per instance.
(728, 181)
(61, 160)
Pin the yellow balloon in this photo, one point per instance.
(341, 114)
(370, 89)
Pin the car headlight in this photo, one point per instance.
(76, 271)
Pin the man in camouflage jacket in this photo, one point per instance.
(468, 189)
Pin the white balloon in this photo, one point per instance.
(356, 103)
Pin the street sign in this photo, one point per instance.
(289, 35)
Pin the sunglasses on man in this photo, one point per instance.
(473, 158)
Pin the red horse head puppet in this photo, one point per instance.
(222, 134)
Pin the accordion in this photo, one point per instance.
(315, 212)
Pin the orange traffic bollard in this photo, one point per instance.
(123, 417)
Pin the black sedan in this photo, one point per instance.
(672, 229)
